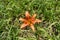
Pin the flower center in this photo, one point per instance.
(30, 20)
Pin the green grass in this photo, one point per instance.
(47, 10)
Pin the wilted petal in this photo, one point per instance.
(34, 16)
(27, 14)
(32, 27)
(23, 25)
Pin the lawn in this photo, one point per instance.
(47, 10)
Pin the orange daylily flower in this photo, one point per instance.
(29, 21)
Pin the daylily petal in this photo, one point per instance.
(27, 14)
(23, 25)
(32, 27)
(37, 20)
(33, 21)
(34, 16)
(21, 19)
